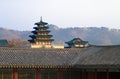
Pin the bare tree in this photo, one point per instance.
(18, 43)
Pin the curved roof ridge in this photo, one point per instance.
(106, 45)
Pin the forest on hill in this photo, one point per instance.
(95, 35)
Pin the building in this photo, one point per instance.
(94, 62)
(41, 37)
(3, 43)
(77, 43)
(76, 62)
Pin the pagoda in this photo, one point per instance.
(41, 37)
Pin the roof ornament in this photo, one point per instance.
(41, 18)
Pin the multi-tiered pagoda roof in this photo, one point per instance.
(41, 34)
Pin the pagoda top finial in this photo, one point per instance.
(41, 18)
(41, 22)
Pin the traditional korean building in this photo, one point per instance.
(41, 37)
(77, 43)
(94, 62)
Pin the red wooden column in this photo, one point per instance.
(15, 74)
(91, 75)
(96, 73)
(60, 74)
(107, 74)
(37, 73)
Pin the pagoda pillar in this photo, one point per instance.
(37, 73)
(15, 74)
(60, 74)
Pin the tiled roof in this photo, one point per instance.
(41, 23)
(94, 56)
(3, 43)
(76, 41)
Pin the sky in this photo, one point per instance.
(22, 14)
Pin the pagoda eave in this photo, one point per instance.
(41, 23)
(32, 36)
(31, 41)
(46, 27)
(45, 40)
(35, 32)
(46, 36)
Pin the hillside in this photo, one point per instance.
(95, 35)
(10, 34)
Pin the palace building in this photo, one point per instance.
(94, 62)
(77, 43)
(44, 62)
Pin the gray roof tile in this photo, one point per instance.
(76, 57)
